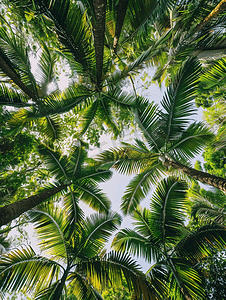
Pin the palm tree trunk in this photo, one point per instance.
(14, 210)
(16, 79)
(121, 12)
(99, 31)
(214, 13)
(215, 181)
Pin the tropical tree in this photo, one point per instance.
(74, 175)
(194, 29)
(160, 235)
(172, 140)
(71, 258)
(81, 31)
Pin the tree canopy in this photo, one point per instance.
(100, 48)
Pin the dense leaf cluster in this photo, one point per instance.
(47, 130)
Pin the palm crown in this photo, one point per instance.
(160, 235)
(170, 137)
(71, 257)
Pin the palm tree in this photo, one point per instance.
(71, 258)
(160, 235)
(171, 140)
(81, 31)
(74, 176)
(193, 29)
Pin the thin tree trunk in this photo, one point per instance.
(14, 210)
(16, 79)
(121, 12)
(216, 181)
(214, 13)
(99, 31)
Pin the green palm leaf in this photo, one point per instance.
(15, 52)
(81, 288)
(50, 292)
(189, 282)
(90, 194)
(97, 230)
(10, 97)
(104, 113)
(55, 162)
(149, 123)
(45, 72)
(126, 160)
(15, 264)
(167, 210)
(157, 276)
(191, 142)
(177, 100)
(88, 116)
(50, 127)
(128, 240)
(215, 75)
(204, 210)
(73, 28)
(139, 187)
(50, 224)
(95, 175)
(199, 244)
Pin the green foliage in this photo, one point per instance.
(15, 150)
(214, 271)
(160, 234)
(118, 292)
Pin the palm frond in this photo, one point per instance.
(157, 275)
(119, 97)
(97, 230)
(76, 160)
(82, 288)
(73, 29)
(177, 100)
(204, 210)
(50, 224)
(199, 244)
(90, 194)
(189, 283)
(50, 292)
(114, 267)
(45, 71)
(167, 210)
(140, 185)
(10, 97)
(88, 116)
(50, 127)
(105, 114)
(215, 75)
(126, 159)
(149, 123)
(56, 163)
(191, 142)
(73, 211)
(14, 50)
(141, 15)
(94, 174)
(128, 240)
(14, 265)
